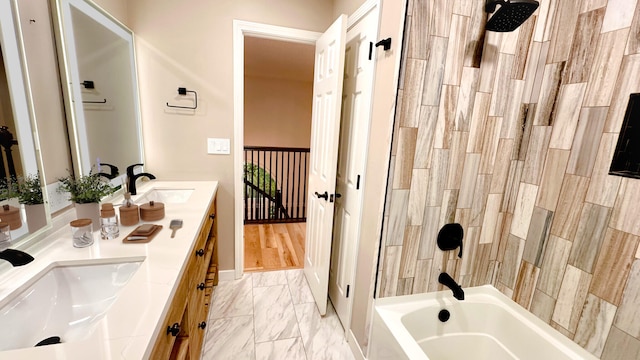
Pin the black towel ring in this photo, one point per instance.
(184, 91)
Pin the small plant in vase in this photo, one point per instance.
(9, 206)
(8, 189)
(30, 195)
(86, 191)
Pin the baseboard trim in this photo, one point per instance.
(355, 348)
(226, 275)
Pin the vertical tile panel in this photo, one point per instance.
(629, 311)
(405, 286)
(490, 144)
(606, 65)
(621, 346)
(479, 202)
(565, 118)
(466, 98)
(414, 80)
(476, 35)
(457, 155)
(514, 111)
(404, 158)
(430, 228)
(613, 265)
(424, 141)
(446, 117)
(441, 19)
(571, 298)
(564, 26)
(434, 72)
(522, 48)
(542, 305)
(567, 214)
(513, 186)
(589, 5)
(552, 176)
(455, 50)
(501, 91)
(525, 284)
(418, 30)
(595, 323)
(501, 167)
(619, 14)
(603, 188)
(626, 84)
(448, 208)
(469, 177)
(490, 221)
(417, 196)
(633, 44)
(537, 236)
(625, 211)
(478, 120)
(423, 273)
(511, 262)
(581, 56)
(489, 63)
(437, 177)
(536, 154)
(589, 236)
(553, 266)
(586, 140)
(390, 270)
(410, 246)
(397, 216)
(549, 89)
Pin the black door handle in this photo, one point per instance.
(324, 196)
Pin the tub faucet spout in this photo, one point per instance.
(446, 280)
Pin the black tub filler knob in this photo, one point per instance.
(450, 237)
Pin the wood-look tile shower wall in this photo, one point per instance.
(511, 135)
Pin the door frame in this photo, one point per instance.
(240, 30)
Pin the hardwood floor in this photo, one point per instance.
(270, 247)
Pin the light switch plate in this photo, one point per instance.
(218, 146)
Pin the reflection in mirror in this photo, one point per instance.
(103, 109)
(21, 195)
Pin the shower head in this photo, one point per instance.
(510, 15)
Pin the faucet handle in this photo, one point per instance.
(450, 237)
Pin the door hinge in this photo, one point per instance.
(358, 183)
(370, 50)
(348, 287)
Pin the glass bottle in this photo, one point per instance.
(108, 222)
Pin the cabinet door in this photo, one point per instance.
(173, 326)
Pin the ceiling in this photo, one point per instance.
(278, 59)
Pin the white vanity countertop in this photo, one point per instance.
(128, 327)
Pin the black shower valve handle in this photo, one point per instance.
(450, 237)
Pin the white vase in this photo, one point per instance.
(89, 211)
(36, 217)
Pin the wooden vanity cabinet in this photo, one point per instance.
(190, 303)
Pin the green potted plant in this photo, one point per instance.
(85, 192)
(30, 195)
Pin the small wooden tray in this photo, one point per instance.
(150, 237)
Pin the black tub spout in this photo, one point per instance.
(446, 280)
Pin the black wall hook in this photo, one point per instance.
(88, 84)
(184, 91)
(385, 43)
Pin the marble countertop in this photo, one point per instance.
(128, 328)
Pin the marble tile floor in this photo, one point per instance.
(271, 315)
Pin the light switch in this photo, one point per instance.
(218, 146)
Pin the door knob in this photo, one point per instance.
(324, 196)
(336, 195)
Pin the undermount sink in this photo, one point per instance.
(65, 301)
(166, 195)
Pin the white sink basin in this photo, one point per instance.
(64, 300)
(166, 195)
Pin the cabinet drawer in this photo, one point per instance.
(167, 336)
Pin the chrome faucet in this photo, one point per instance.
(131, 177)
(446, 280)
(16, 257)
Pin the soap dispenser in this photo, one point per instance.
(129, 214)
(108, 222)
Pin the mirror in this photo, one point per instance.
(101, 94)
(18, 159)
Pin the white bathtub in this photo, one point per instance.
(486, 325)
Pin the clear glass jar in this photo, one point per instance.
(81, 232)
(109, 228)
(5, 236)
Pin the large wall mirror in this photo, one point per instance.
(101, 89)
(18, 159)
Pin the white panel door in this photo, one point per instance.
(325, 128)
(354, 136)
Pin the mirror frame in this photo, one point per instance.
(76, 123)
(14, 57)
